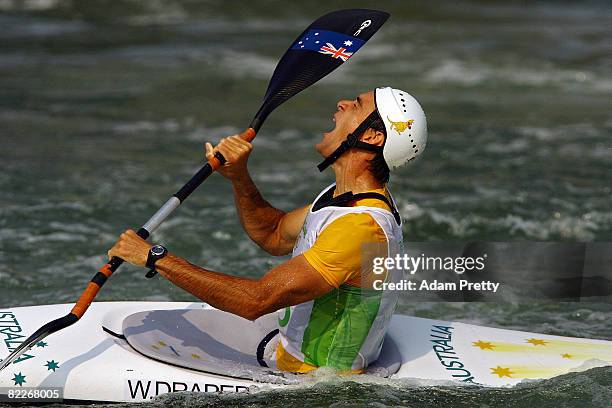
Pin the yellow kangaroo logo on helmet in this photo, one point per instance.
(401, 126)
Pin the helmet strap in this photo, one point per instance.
(352, 140)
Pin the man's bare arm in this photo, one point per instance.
(290, 283)
(272, 229)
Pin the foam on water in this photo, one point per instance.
(453, 71)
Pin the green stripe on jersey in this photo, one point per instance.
(339, 324)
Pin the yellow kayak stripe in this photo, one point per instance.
(523, 371)
(565, 349)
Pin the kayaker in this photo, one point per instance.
(329, 314)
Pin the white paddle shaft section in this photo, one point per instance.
(162, 214)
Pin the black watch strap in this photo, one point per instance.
(156, 253)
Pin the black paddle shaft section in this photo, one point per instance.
(194, 182)
(298, 69)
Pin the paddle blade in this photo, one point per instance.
(38, 335)
(325, 45)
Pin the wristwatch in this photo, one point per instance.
(156, 253)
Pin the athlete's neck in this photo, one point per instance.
(354, 175)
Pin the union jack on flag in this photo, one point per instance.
(341, 52)
(337, 45)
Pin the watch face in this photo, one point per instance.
(157, 250)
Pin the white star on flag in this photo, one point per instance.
(348, 43)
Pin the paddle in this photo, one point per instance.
(327, 43)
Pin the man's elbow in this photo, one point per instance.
(277, 250)
(252, 316)
(256, 311)
(265, 303)
(275, 244)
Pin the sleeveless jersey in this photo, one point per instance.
(344, 328)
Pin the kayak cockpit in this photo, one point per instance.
(218, 342)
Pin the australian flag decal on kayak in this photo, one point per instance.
(336, 45)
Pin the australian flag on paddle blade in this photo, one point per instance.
(336, 45)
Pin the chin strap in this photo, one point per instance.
(353, 141)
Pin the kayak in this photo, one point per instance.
(134, 351)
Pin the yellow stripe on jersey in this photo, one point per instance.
(337, 252)
(286, 362)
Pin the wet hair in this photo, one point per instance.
(378, 165)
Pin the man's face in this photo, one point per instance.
(349, 115)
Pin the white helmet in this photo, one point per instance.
(405, 124)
